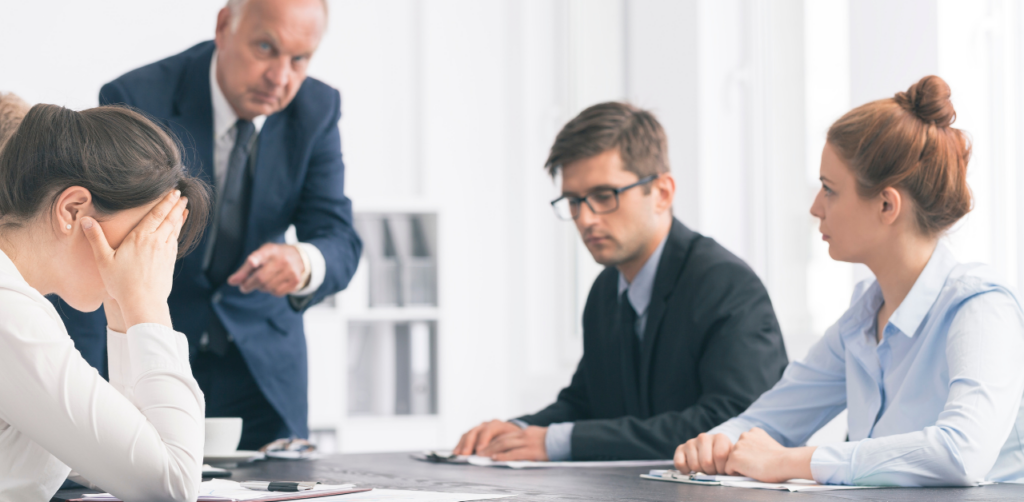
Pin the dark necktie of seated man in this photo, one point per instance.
(229, 232)
(627, 328)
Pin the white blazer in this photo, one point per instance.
(139, 437)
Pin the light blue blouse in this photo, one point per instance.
(936, 403)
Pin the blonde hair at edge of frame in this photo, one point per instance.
(12, 111)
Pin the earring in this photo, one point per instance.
(69, 226)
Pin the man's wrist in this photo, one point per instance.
(558, 441)
(317, 268)
(307, 268)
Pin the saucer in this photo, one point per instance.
(236, 456)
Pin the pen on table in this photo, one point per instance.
(279, 486)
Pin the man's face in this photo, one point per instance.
(619, 236)
(262, 62)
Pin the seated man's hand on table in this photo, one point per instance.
(756, 454)
(503, 441)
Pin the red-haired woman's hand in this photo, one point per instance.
(704, 453)
(759, 456)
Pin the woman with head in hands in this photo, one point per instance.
(95, 206)
(927, 359)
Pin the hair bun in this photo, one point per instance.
(929, 100)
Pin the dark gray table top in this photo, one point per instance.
(399, 471)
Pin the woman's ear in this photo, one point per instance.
(892, 204)
(72, 204)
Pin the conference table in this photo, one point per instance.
(400, 471)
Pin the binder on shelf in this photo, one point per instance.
(392, 357)
(392, 368)
(402, 257)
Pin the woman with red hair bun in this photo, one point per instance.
(927, 360)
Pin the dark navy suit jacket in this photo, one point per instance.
(711, 346)
(298, 179)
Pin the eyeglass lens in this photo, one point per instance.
(599, 202)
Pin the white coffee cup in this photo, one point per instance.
(222, 436)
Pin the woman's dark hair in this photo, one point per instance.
(908, 142)
(121, 157)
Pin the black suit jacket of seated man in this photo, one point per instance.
(711, 346)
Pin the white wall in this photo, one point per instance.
(63, 51)
(892, 45)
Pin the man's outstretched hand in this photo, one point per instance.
(274, 268)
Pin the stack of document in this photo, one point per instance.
(222, 490)
(699, 478)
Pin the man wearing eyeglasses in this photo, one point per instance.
(679, 334)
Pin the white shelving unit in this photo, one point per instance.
(374, 347)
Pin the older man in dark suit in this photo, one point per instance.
(678, 333)
(266, 138)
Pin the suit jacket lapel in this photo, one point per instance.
(193, 118)
(192, 122)
(673, 260)
(272, 174)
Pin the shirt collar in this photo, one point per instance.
(7, 266)
(912, 311)
(642, 287)
(224, 117)
(915, 307)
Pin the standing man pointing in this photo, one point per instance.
(266, 137)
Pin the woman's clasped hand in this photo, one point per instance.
(755, 454)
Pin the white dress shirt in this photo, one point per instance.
(224, 118)
(936, 403)
(139, 437)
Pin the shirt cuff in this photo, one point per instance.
(833, 464)
(317, 268)
(519, 423)
(558, 441)
(117, 359)
(144, 348)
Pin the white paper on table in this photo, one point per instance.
(221, 489)
(227, 489)
(523, 464)
(793, 485)
(448, 458)
(382, 495)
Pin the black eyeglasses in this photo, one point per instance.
(602, 201)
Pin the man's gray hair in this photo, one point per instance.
(237, 7)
